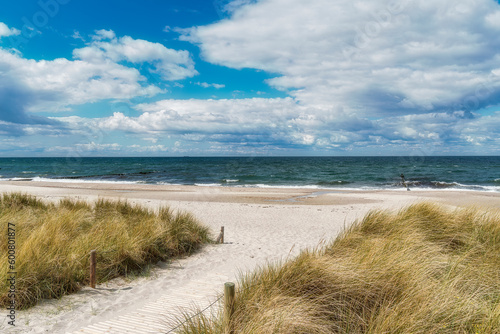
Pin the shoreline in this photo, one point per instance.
(261, 225)
(453, 186)
(232, 194)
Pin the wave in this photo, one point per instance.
(443, 185)
(104, 176)
(80, 180)
(230, 181)
(332, 183)
(429, 184)
(424, 185)
(208, 184)
(261, 185)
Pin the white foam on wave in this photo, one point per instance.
(208, 184)
(443, 183)
(462, 188)
(491, 188)
(282, 187)
(455, 186)
(168, 184)
(16, 179)
(44, 179)
(458, 187)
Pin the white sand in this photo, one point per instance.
(261, 225)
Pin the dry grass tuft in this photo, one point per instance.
(421, 270)
(53, 242)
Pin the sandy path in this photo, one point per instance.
(261, 225)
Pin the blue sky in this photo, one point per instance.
(249, 77)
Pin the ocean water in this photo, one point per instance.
(460, 173)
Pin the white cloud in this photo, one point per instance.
(170, 64)
(97, 147)
(370, 58)
(262, 126)
(208, 85)
(77, 35)
(5, 31)
(231, 6)
(97, 73)
(278, 122)
(493, 20)
(85, 148)
(383, 75)
(104, 34)
(151, 139)
(148, 149)
(54, 85)
(207, 116)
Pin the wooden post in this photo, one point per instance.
(92, 268)
(220, 238)
(228, 304)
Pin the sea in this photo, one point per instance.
(478, 173)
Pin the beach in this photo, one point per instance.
(261, 225)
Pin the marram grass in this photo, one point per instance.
(421, 270)
(53, 242)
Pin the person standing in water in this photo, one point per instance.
(404, 182)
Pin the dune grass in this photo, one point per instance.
(53, 242)
(421, 270)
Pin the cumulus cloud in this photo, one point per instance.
(284, 124)
(54, 85)
(207, 116)
(170, 64)
(5, 31)
(382, 75)
(370, 58)
(278, 122)
(14, 101)
(227, 7)
(96, 73)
